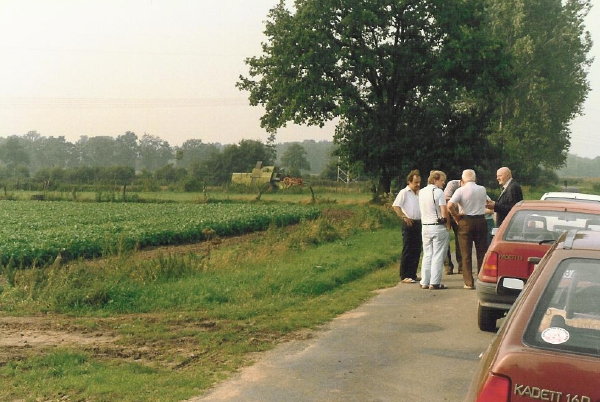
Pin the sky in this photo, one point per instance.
(167, 68)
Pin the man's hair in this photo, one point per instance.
(469, 175)
(435, 175)
(413, 173)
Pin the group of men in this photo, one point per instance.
(429, 213)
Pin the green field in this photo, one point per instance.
(36, 232)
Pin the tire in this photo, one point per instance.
(486, 318)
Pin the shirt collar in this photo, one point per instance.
(507, 183)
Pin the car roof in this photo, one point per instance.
(558, 205)
(564, 195)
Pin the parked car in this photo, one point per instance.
(525, 235)
(549, 345)
(560, 195)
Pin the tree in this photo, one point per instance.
(549, 46)
(405, 79)
(240, 157)
(154, 152)
(127, 150)
(294, 159)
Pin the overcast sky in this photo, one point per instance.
(163, 67)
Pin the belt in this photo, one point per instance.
(472, 216)
(429, 224)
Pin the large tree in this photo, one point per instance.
(406, 79)
(294, 159)
(549, 45)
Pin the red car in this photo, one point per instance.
(525, 235)
(549, 346)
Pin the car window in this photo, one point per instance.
(535, 225)
(568, 314)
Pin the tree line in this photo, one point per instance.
(39, 162)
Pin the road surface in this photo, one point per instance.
(406, 344)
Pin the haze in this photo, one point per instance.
(163, 67)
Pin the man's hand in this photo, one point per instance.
(489, 204)
(407, 221)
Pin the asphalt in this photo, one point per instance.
(405, 344)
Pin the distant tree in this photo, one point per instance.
(550, 48)
(127, 150)
(195, 151)
(97, 151)
(240, 157)
(294, 160)
(13, 152)
(154, 152)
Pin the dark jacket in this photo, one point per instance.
(509, 197)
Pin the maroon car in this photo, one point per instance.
(549, 346)
(525, 235)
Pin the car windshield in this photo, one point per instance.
(537, 225)
(568, 315)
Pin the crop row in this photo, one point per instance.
(34, 232)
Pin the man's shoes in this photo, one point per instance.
(424, 286)
(408, 280)
(468, 287)
(437, 287)
(448, 272)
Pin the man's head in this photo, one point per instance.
(469, 175)
(437, 177)
(414, 180)
(503, 175)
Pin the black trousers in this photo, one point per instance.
(411, 250)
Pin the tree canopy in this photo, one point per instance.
(549, 47)
(445, 84)
(406, 79)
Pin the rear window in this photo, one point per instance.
(567, 317)
(535, 225)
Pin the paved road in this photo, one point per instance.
(406, 344)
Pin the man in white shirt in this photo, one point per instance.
(434, 218)
(406, 206)
(472, 227)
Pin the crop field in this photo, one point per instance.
(35, 233)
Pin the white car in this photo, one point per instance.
(560, 195)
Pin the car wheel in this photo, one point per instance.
(486, 318)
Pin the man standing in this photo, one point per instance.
(406, 206)
(510, 195)
(472, 227)
(451, 187)
(435, 236)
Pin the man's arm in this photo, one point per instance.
(402, 216)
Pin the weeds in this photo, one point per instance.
(205, 311)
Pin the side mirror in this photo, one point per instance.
(534, 260)
(494, 231)
(510, 286)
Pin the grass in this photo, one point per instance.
(182, 322)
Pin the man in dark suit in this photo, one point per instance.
(510, 195)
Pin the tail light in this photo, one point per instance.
(489, 270)
(495, 389)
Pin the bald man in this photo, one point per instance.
(510, 195)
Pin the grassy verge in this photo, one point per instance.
(181, 322)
